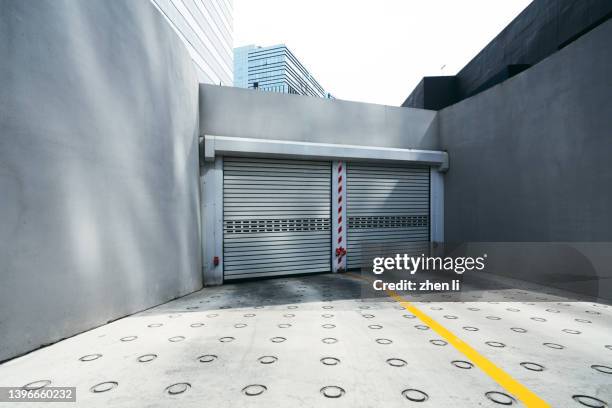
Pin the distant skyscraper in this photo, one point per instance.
(274, 69)
(205, 27)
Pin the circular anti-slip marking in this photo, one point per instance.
(438, 342)
(466, 365)
(328, 326)
(532, 366)
(470, 328)
(128, 338)
(450, 317)
(330, 361)
(570, 331)
(104, 386)
(593, 312)
(289, 315)
(284, 325)
(145, 358)
(408, 316)
(518, 330)
(538, 319)
(500, 398)
(176, 339)
(384, 341)
(602, 368)
(267, 359)
(207, 358)
(90, 357)
(177, 388)
(415, 395)
(589, 401)
(495, 344)
(153, 325)
(194, 325)
(254, 389)
(240, 325)
(396, 362)
(493, 317)
(421, 327)
(227, 339)
(278, 339)
(36, 385)
(554, 346)
(375, 326)
(368, 316)
(329, 340)
(332, 391)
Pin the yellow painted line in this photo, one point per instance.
(504, 379)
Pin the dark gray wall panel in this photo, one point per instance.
(98, 167)
(539, 31)
(530, 158)
(543, 28)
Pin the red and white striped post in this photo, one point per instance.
(339, 219)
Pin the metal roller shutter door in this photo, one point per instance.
(276, 217)
(387, 209)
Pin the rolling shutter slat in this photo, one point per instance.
(276, 217)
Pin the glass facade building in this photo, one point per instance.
(274, 69)
(205, 27)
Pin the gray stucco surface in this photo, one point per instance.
(530, 161)
(237, 112)
(99, 208)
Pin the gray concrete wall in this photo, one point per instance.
(530, 161)
(226, 111)
(99, 189)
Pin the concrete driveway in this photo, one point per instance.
(320, 341)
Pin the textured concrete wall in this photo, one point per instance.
(99, 186)
(530, 161)
(541, 29)
(266, 115)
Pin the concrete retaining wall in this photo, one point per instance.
(266, 115)
(530, 161)
(99, 184)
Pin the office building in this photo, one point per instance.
(205, 28)
(274, 69)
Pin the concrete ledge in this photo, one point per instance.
(238, 146)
